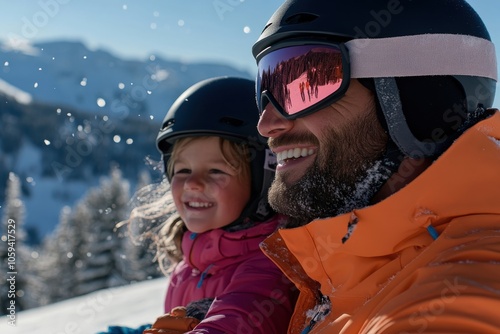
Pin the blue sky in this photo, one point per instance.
(213, 30)
(220, 30)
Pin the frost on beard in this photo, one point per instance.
(318, 195)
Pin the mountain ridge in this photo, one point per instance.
(72, 113)
(68, 73)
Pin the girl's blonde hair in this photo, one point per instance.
(155, 217)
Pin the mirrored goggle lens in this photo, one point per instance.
(299, 77)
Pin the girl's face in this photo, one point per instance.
(208, 192)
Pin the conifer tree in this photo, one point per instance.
(138, 260)
(101, 249)
(12, 250)
(144, 179)
(61, 257)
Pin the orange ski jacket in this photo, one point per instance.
(380, 267)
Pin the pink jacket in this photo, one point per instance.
(251, 294)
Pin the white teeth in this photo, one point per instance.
(293, 153)
(200, 204)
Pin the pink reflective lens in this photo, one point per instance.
(299, 77)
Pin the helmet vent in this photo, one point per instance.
(231, 121)
(267, 26)
(301, 18)
(168, 124)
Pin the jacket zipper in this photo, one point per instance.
(324, 309)
(205, 272)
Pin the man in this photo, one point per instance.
(391, 174)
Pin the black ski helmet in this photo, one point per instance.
(223, 107)
(426, 96)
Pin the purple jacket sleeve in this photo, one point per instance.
(259, 299)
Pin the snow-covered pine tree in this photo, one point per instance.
(14, 207)
(60, 257)
(138, 262)
(12, 248)
(107, 205)
(143, 179)
(49, 266)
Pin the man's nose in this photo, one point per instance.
(272, 123)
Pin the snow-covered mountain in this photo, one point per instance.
(132, 305)
(14, 93)
(69, 91)
(67, 73)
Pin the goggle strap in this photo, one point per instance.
(443, 54)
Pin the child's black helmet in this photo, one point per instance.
(431, 64)
(223, 107)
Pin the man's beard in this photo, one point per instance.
(345, 175)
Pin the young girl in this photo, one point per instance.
(219, 170)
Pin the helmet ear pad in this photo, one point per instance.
(435, 107)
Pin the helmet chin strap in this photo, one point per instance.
(408, 144)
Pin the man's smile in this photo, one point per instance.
(293, 153)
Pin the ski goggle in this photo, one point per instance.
(299, 79)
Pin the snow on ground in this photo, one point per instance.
(133, 305)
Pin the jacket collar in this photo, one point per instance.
(218, 248)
